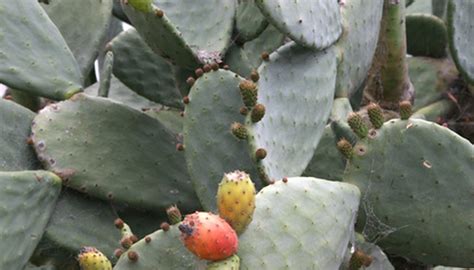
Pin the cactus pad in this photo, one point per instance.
(27, 199)
(211, 148)
(296, 87)
(15, 123)
(34, 56)
(426, 35)
(83, 24)
(249, 21)
(159, 250)
(429, 168)
(314, 24)
(461, 36)
(145, 72)
(70, 139)
(301, 223)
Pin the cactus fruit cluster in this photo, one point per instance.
(236, 134)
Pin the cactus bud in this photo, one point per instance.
(244, 110)
(345, 147)
(405, 109)
(258, 112)
(265, 56)
(165, 226)
(260, 154)
(239, 131)
(92, 259)
(174, 215)
(359, 259)
(375, 115)
(254, 76)
(249, 91)
(199, 72)
(357, 125)
(132, 256)
(190, 81)
(215, 66)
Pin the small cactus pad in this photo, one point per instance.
(91, 258)
(358, 125)
(27, 199)
(361, 23)
(121, 93)
(461, 36)
(424, 166)
(15, 123)
(187, 38)
(71, 140)
(35, 57)
(83, 24)
(211, 148)
(313, 24)
(106, 74)
(77, 221)
(236, 199)
(243, 59)
(231, 263)
(208, 236)
(375, 115)
(145, 72)
(159, 250)
(426, 35)
(249, 21)
(300, 223)
(296, 87)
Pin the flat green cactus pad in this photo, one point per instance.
(303, 223)
(361, 23)
(77, 221)
(426, 35)
(416, 182)
(159, 250)
(143, 71)
(34, 56)
(121, 93)
(314, 24)
(27, 199)
(210, 148)
(243, 59)
(461, 36)
(84, 139)
(172, 119)
(199, 35)
(83, 24)
(249, 21)
(15, 123)
(296, 87)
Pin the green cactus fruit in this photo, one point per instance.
(91, 258)
(257, 113)
(141, 5)
(405, 109)
(239, 131)
(249, 92)
(359, 259)
(375, 115)
(231, 263)
(345, 147)
(236, 199)
(357, 125)
(174, 215)
(208, 236)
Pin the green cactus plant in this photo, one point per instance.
(198, 89)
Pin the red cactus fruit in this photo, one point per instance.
(208, 236)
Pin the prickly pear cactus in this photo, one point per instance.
(296, 86)
(400, 164)
(300, 223)
(27, 199)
